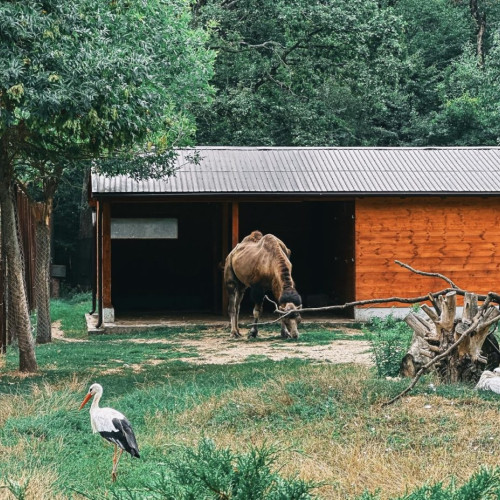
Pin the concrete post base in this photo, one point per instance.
(108, 315)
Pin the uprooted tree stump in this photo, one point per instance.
(433, 336)
(457, 349)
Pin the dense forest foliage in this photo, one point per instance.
(344, 73)
(352, 72)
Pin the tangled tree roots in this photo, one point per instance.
(437, 333)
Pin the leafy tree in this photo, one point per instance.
(351, 73)
(304, 73)
(469, 94)
(87, 78)
(456, 86)
(72, 227)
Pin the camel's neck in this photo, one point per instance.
(283, 280)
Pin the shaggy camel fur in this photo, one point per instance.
(261, 263)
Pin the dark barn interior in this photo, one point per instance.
(168, 274)
(320, 236)
(185, 274)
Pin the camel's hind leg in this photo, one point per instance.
(235, 299)
(235, 291)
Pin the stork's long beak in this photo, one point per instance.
(85, 401)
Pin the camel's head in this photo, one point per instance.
(291, 303)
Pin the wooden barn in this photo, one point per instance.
(346, 213)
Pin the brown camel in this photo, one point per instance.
(261, 263)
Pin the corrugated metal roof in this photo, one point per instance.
(344, 171)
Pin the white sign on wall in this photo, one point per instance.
(144, 229)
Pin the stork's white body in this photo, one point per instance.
(101, 419)
(489, 381)
(112, 426)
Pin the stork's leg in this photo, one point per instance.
(117, 460)
(115, 463)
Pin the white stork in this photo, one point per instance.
(112, 426)
(489, 381)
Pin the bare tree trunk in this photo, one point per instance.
(479, 17)
(18, 303)
(42, 272)
(3, 309)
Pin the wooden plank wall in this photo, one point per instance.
(457, 237)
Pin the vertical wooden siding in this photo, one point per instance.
(457, 237)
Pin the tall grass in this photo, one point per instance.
(71, 314)
(285, 426)
(390, 338)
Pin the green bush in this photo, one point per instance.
(211, 473)
(390, 340)
(484, 485)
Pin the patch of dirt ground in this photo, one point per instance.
(219, 348)
(216, 347)
(58, 334)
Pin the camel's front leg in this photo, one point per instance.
(284, 332)
(257, 311)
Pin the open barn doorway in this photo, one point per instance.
(321, 238)
(177, 273)
(182, 273)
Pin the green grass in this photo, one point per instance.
(326, 336)
(71, 314)
(261, 418)
(56, 433)
(311, 334)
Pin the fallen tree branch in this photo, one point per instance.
(425, 273)
(402, 300)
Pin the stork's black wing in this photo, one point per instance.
(123, 436)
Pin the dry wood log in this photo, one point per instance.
(441, 329)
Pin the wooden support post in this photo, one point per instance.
(225, 251)
(106, 263)
(215, 259)
(94, 261)
(235, 225)
(99, 262)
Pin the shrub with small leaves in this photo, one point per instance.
(16, 490)
(390, 340)
(484, 485)
(211, 473)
